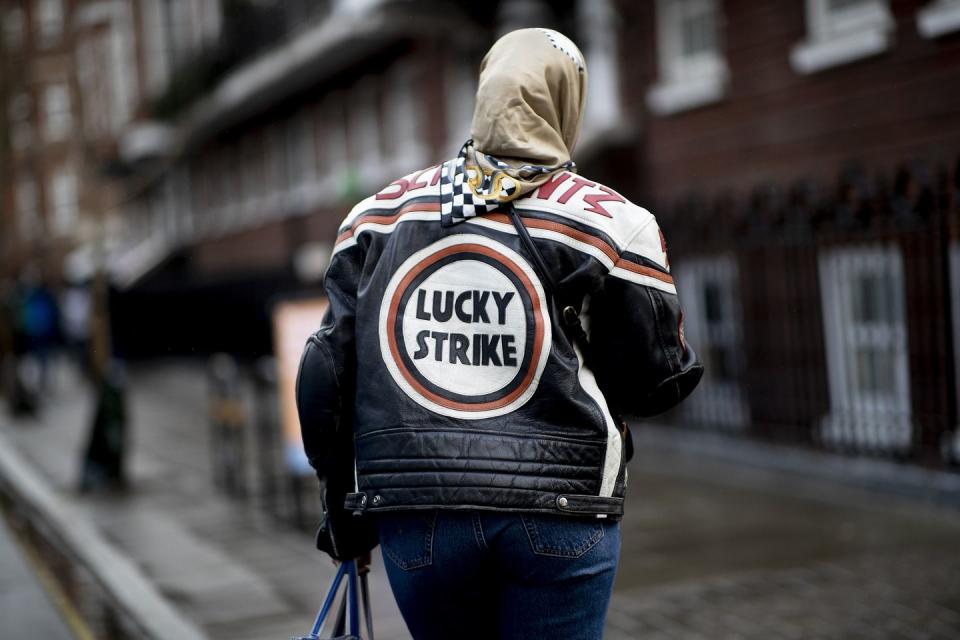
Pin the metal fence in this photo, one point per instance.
(829, 319)
(248, 457)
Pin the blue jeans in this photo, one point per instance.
(460, 575)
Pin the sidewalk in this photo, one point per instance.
(26, 612)
(228, 568)
(711, 549)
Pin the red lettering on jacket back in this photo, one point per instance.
(547, 188)
(401, 185)
(578, 183)
(594, 200)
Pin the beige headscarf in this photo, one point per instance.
(533, 86)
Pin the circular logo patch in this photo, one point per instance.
(463, 329)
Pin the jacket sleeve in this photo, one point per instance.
(638, 350)
(325, 382)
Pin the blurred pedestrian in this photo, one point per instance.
(76, 306)
(452, 392)
(36, 334)
(8, 322)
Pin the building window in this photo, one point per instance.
(358, 7)
(106, 68)
(301, 156)
(333, 140)
(692, 70)
(865, 331)
(28, 213)
(49, 21)
(63, 201)
(254, 174)
(708, 290)
(402, 131)
(939, 18)
(207, 185)
(363, 127)
(122, 73)
(58, 117)
(460, 81)
(842, 31)
(21, 127)
(599, 28)
(276, 164)
(157, 47)
(13, 29)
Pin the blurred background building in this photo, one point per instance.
(172, 176)
(802, 157)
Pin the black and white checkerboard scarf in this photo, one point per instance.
(475, 183)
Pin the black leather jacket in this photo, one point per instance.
(443, 362)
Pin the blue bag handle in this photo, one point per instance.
(353, 594)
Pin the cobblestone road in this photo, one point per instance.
(913, 596)
(711, 550)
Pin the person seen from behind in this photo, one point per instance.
(491, 320)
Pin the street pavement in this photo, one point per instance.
(711, 549)
(26, 612)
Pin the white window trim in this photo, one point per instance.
(939, 18)
(29, 222)
(460, 88)
(63, 204)
(363, 134)
(20, 110)
(58, 122)
(181, 189)
(889, 415)
(604, 116)
(300, 140)
(684, 84)
(405, 146)
(252, 175)
(154, 28)
(14, 28)
(836, 38)
(717, 402)
(50, 21)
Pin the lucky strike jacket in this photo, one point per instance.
(442, 361)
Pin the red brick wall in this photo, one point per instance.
(776, 125)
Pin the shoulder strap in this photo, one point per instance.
(570, 315)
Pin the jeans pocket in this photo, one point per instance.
(561, 536)
(407, 537)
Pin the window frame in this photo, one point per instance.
(50, 21)
(686, 81)
(20, 118)
(27, 203)
(718, 402)
(939, 18)
(14, 29)
(888, 413)
(63, 200)
(57, 122)
(837, 37)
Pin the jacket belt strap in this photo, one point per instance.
(590, 504)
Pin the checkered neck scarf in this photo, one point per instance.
(475, 183)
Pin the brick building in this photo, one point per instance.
(800, 155)
(347, 97)
(803, 159)
(76, 77)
